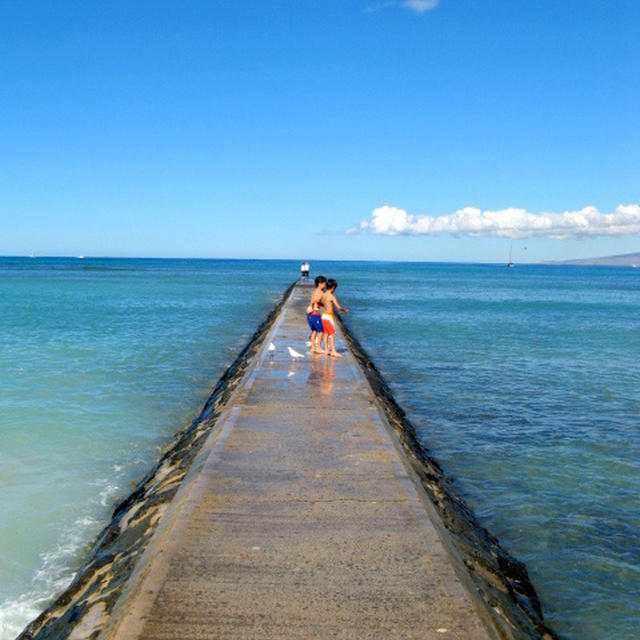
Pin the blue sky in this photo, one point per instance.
(271, 129)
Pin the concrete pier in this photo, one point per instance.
(299, 518)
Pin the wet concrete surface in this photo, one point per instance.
(298, 519)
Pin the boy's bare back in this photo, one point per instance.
(329, 300)
(316, 298)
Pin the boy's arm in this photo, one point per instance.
(335, 300)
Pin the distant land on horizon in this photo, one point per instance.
(622, 260)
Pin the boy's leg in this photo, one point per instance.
(329, 330)
(319, 328)
(333, 348)
(313, 339)
(311, 327)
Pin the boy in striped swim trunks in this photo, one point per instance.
(328, 321)
(313, 314)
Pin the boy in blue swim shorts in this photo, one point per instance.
(314, 318)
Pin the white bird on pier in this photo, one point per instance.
(294, 354)
(271, 348)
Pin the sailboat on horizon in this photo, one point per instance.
(510, 263)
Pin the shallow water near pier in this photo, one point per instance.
(523, 383)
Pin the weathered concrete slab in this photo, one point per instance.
(298, 519)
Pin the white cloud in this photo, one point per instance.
(420, 6)
(507, 223)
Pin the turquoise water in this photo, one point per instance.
(523, 382)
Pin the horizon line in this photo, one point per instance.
(566, 262)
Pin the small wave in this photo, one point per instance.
(108, 491)
(97, 267)
(56, 570)
(107, 494)
(15, 614)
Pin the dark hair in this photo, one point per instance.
(332, 284)
(320, 280)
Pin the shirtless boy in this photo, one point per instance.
(313, 314)
(328, 321)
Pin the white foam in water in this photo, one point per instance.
(15, 614)
(108, 494)
(54, 574)
(57, 567)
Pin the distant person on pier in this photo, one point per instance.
(328, 321)
(314, 317)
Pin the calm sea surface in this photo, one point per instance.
(524, 383)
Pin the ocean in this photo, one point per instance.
(523, 383)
